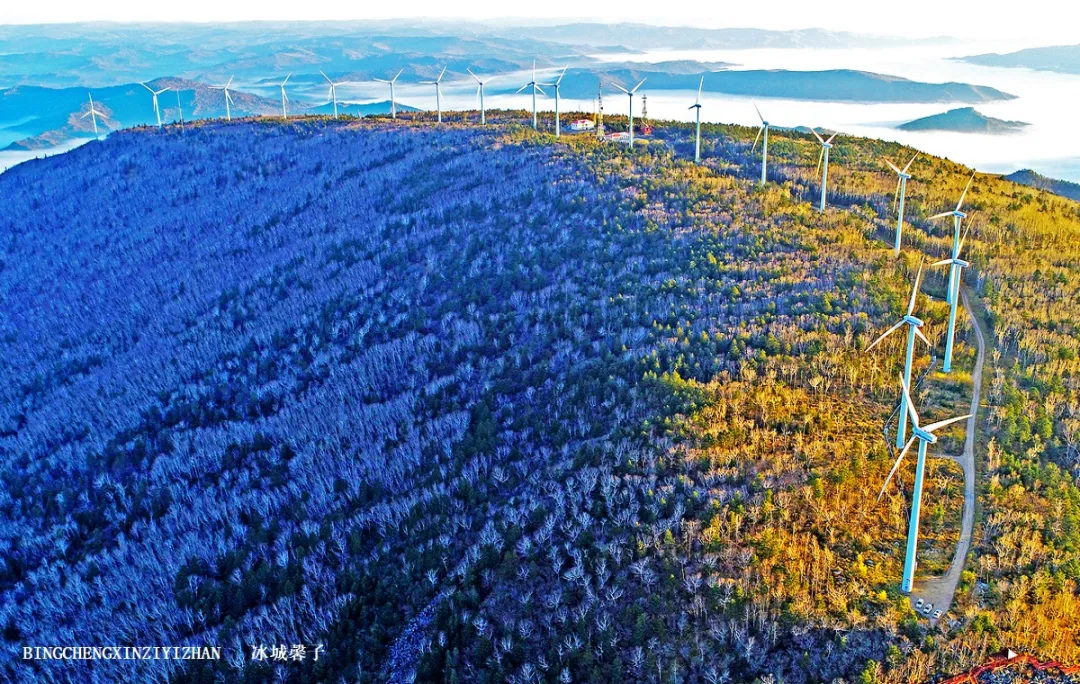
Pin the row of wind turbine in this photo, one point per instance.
(908, 415)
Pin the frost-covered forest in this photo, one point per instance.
(470, 405)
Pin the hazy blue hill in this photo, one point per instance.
(964, 120)
(51, 115)
(1060, 58)
(365, 109)
(1041, 182)
(107, 54)
(841, 85)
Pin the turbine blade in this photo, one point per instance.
(560, 78)
(941, 263)
(821, 155)
(964, 194)
(758, 112)
(831, 138)
(523, 87)
(816, 135)
(919, 334)
(884, 335)
(909, 403)
(702, 83)
(230, 82)
(398, 74)
(893, 166)
(539, 89)
(756, 139)
(896, 195)
(960, 247)
(942, 423)
(621, 88)
(472, 74)
(638, 85)
(941, 215)
(326, 77)
(439, 79)
(914, 290)
(147, 87)
(896, 465)
(911, 162)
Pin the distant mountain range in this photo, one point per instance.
(964, 120)
(1064, 59)
(838, 85)
(646, 37)
(104, 54)
(1037, 180)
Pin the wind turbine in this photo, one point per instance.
(94, 114)
(765, 144)
(926, 436)
(826, 145)
(956, 267)
(555, 85)
(913, 324)
(157, 109)
(332, 95)
(284, 99)
(535, 88)
(958, 217)
(480, 94)
(228, 98)
(438, 92)
(697, 106)
(631, 94)
(901, 190)
(393, 102)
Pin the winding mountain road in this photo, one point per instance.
(940, 590)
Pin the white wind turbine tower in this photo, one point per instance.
(535, 88)
(631, 94)
(228, 98)
(180, 109)
(438, 92)
(393, 101)
(913, 324)
(765, 145)
(901, 189)
(157, 109)
(332, 95)
(958, 217)
(956, 274)
(697, 106)
(555, 85)
(94, 114)
(480, 94)
(925, 435)
(284, 99)
(826, 145)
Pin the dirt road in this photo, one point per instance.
(940, 590)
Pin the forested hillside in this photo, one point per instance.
(474, 405)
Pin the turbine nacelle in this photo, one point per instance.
(928, 437)
(912, 320)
